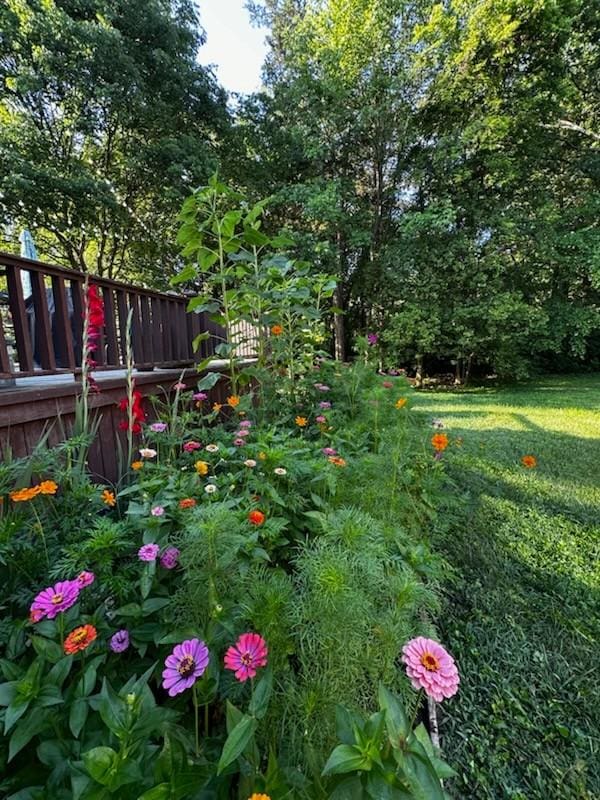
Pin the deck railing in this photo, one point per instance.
(41, 323)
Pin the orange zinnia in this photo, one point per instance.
(338, 461)
(276, 330)
(187, 502)
(259, 797)
(256, 517)
(217, 407)
(529, 462)
(137, 465)
(108, 497)
(201, 467)
(22, 495)
(47, 487)
(233, 400)
(401, 402)
(439, 442)
(79, 639)
(301, 422)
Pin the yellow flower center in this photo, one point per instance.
(430, 662)
(246, 659)
(79, 635)
(186, 666)
(56, 599)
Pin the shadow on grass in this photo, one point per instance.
(523, 612)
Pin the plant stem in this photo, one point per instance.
(196, 719)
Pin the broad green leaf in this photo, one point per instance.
(262, 694)
(345, 758)
(236, 742)
(395, 719)
(99, 763)
(78, 715)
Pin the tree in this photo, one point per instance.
(107, 123)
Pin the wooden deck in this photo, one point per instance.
(45, 405)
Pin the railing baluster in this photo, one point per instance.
(5, 365)
(110, 328)
(62, 323)
(166, 330)
(157, 337)
(136, 330)
(147, 341)
(78, 310)
(16, 303)
(122, 311)
(43, 331)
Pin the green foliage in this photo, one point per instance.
(107, 119)
(441, 160)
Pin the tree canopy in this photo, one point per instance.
(443, 161)
(108, 122)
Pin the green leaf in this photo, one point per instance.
(197, 340)
(187, 274)
(419, 773)
(7, 692)
(208, 381)
(154, 604)
(346, 722)
(15, 711)
(24, 732)
(262, 694)
(236, 742)
(348, 789)
(78, 715)
(160, 792)
(46, 648)
(346, 758)
(60, 671)
(397, 724)
(99, 763)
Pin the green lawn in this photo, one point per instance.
(522, 604)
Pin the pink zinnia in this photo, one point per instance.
(246, 656)
(245, 423)
(184, 666)
(387, 384)
(329, 451)
(239, 442)
(189, 447)
(321, 419)
(169, 558)
(85, 579)
(325, 404)
(51, 601)
(158, 427)
(148, 552)
(157, 511)
(179, 386)
(243, 432)
(199, 396)
(431, 668)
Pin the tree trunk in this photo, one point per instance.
(339, 327)
(419, 373)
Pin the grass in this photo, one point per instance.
(522, 605)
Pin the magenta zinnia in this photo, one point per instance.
(184, 666)
(54, 599)
(246, 656)
(431, 668)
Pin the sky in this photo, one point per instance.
(233, 46)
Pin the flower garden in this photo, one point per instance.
(250, 611)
